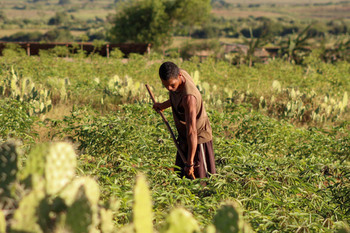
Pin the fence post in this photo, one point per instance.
(28, 49)
(107, 49)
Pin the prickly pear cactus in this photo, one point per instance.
(56, 162)
(42, 103)
(92, 191)
(124, 89)
(25, 217)
(24, 90)
(210, 229)
(142, 207)
(35, 164)
(127, 229)
(45, 220)
(80, 214)
(107, 225)
(8, 167)
(180, 221)
(344, 228)
(2, 222)
(195, 77)
(229, 218)
(60, 225)
(60, 166)
(86, 188)
(276, 86)
(53, 200)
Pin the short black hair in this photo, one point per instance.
(168, 70)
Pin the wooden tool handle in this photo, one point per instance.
(150, 93)
(170, 130)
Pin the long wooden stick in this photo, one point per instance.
(169, 129)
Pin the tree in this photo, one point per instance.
(142, 21)
(34, 1)
(254, 44)
(153, 21)
(192, 12)
(296, 43)
(2, 16)
(24, 37)
(58, 35)
(64, 2)
(61, 18)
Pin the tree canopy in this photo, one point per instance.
(192, 12)
(154, 21)
(64, 2)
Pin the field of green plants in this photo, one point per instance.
(281, 141)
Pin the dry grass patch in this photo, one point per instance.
(29, 14)
(8, 32)
(245, 13)
(46, 131)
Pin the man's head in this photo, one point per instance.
(169, 74)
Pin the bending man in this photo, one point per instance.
(191, 120)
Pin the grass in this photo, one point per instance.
(284, 2)
(29, 14)
(8, 32)
(294, 11)
(46, 133)
(91, 14)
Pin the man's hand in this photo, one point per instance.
(159, 107)
(189, 171)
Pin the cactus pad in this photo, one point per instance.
(210, 229)
(2, 222)
(25, 217)
(229, 218)
(344, 228)
(60, 167)
(107, 225)
(142, 207)
(80, 214)
(180, 221)
(8, 167)
(84, 188)
(56, 162)
(92, 191)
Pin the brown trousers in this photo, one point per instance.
(204, 162)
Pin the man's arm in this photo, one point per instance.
(162, 106)
(189, 104)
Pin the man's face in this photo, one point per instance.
(172, 84)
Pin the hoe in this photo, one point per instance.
(169, 129)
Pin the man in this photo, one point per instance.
(191, 120)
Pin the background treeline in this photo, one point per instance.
(172, 27)
(72, 19)
(63, 23)
(60, 27)
(280, 27)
